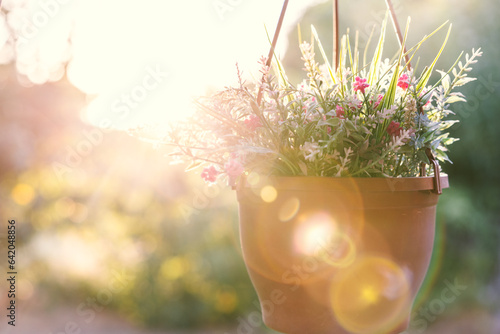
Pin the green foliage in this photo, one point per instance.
(343, 122)
(175, 241)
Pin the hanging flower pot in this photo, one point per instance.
(337, 214)
(337, 255)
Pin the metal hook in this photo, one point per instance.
(437, 173)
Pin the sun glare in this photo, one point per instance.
(313, 233)
(145, 62)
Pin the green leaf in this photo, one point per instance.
(334, 122)
(464, 81)
(427, 74)
(426, 37)
(367, 45)
(422, 156)
(445, 80)
(283, 79)
(455, 98)
(303, 167)
(391, 90)
(349, 125)
(377, 57)
(426, 97)
(323, 54)
(447, 124)
(357, 137)
(300, 132)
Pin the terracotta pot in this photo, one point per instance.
(337, 255)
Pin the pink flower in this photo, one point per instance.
(394, 129)
(209, 174)
(379, 99)
(360, 84)
(233, 169)
(339, 111)
(253, 122)
(404, 81)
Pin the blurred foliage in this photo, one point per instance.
(122, 208)
(118, 208)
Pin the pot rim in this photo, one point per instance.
(363, 184)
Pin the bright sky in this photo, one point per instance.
(144, 61)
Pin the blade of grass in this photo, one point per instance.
(367, 45)
(299, 33)
(356, 53)
(349, 52)
(323, 54)
(391, 90)
(372, 76)
(426, 37)
(427, 74)
(340, 72)
(282, 78)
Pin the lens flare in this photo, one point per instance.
(340, 251)
(434, 266)
(289, 209)
(253, 179)
(268, 194)
(23, 194)
(313, 233)
(371, 296)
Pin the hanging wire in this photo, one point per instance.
(335, 33)
(273, 46)
(398, 31)
(432, 160)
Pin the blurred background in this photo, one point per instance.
(113, 238)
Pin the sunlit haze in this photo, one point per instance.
(146, 61)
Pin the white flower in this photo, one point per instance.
(310, 150)
(354, 103)
(387, 113)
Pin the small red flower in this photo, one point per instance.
(379, 99)
(394, 129)
(209, 174)
(253, 122)
(339, 111)
(360, 84)
(404, 81)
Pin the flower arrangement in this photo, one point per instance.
(359, 119)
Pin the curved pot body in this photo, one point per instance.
(337, 255)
